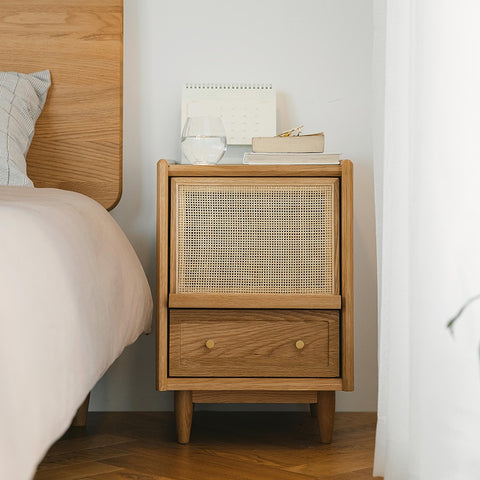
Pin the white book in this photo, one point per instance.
(253, 158)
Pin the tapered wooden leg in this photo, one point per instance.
(183, 415)
(326, 415)
(80, 418)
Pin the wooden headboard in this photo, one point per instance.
(78, 138)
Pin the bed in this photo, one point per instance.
(73, 293)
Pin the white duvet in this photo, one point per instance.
(72, 295)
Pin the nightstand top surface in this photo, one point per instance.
(327, 170)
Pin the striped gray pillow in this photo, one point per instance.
(22, 97)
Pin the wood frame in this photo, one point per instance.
(258, 300)
(162, 274)
(254, 389)
(347, 275)
(78, 141)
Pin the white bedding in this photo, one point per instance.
(72, 295)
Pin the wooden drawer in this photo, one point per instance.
(254, 343)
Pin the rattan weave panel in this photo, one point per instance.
(255, 238)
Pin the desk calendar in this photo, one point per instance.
(247, 109)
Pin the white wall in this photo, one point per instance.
(318, 54)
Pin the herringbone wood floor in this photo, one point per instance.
(224, 446)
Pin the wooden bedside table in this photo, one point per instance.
(255, 286)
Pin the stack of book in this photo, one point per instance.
(301, 149)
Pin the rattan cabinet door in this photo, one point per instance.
(255, 235)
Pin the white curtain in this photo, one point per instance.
(429, 241)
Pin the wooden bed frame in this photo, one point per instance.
(78, 139)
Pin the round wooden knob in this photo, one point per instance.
(210, 344)
(300, 344)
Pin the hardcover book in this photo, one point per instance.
(299, 144)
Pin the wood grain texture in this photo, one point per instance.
(162, 274)
(253, 397)
(347, 275)
(78, 140)
(254, 300)
(273, 384)
(254, 343)
(183, 415)
(272, 179)
(247, 446)
(255, 170)
(326, 415)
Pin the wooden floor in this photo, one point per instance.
(224, 446)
